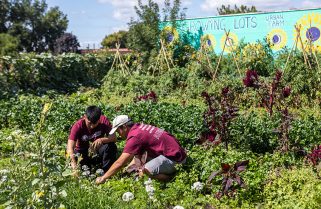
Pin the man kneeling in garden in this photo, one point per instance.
(163, 150)
(93, 127)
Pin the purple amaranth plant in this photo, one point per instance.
(277, 96)
(273, 96)
(315, 156)
(286, 91)
(150, 96)
(251, 79)
(231, 177)
(218, 116)
(273, 90)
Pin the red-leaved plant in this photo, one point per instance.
(315, 156)
(231, 178)
(218, 116)
(273, 96)
(151, 96)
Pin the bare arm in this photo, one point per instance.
(104, 140)
(118, 165)
(70, 151)
(110, 138)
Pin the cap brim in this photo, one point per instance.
(113, 130)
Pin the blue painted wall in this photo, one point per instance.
(277, 27)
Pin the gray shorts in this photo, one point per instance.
(160, 165)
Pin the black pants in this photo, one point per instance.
(105, 158)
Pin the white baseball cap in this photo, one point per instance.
(119, 121)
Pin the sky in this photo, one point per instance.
(92, 20)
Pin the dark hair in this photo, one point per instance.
(93, 113)
(129, 124)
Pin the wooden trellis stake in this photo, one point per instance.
(298, 39)
(119, 62)
(311, 46)
(203, 49)
(227, 39)
(162, 55)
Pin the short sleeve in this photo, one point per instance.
(74, 133)
(133, 146)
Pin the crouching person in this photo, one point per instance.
(162, 149)
(93, 127)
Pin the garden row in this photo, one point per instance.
(63, 73)
(272, 179)
(252, 130)
(68, 72)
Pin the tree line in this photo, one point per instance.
(30, 26)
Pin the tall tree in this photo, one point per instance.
(55, 23)
(8, 44)
(4, 14)
(144, 32)
(225, 10)
(117, 37)
(32, 23)
(66, 43)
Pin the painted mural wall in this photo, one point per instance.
(277, 27)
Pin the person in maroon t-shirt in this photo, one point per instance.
(93, 127)
(162, 149)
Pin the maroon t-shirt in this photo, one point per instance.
(82, 135)
(155, 141)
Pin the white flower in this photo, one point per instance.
(4, 171)
(16, 132)
(4, 179)
(92, 176)
(127, 196)
(198, 186)
(178, 207)
(100, 172)
(85, 167)
(150, 190)
(148, 182)
(86, 173)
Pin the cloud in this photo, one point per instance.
(121, 27)
(124, 9)
(310, 4)
(267, 5)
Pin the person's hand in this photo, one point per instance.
(97, 144)
(100, 180)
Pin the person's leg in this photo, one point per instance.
(160, 177)
(160, 168)
(107, 154)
